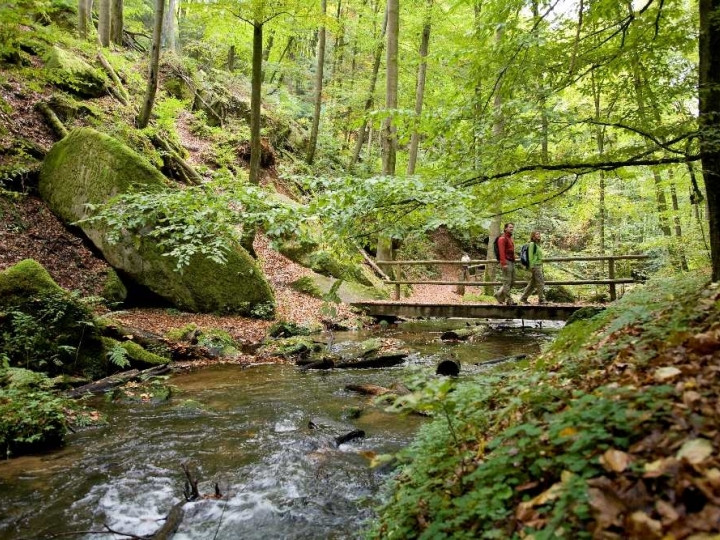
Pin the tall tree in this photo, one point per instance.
(149, 101)
(312, 143)
(84, 19)
(363, 129)
(420, 88)
(104, 18)
(170, 26)
(709, 108)
(389, 130)
(116, 22)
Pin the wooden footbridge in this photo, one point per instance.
(557, 312)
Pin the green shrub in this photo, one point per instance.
(31, 420)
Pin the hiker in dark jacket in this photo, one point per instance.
(537, 278)
(506, 256)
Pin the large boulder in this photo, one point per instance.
(45, 328)
(70, 72)
(88, 167)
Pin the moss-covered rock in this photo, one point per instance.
(560, 294)
(70, 72)
(309, 254)
(114, 289)
(307, 286)
(43, 327)
(69, 181)
(25, 280)
(138, 357)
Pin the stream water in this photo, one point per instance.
(248, 430)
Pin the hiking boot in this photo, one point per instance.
(510, 302)
(542, 302)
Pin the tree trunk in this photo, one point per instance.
(600, 142)
(84, 19)
(116, 22)
(282, 55)
(709, 108)
(104, 23)
(389, 135)
(362, 131)
(255, 98)
(312, 144)
(170, 26)
(420, 89)
(231, 59)
(144, 116)
(678, 227)
(248, 236)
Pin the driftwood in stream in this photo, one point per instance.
(172, 523)
(151, 341)
(323, 363)
(382, 360)
(463, 334)
(500, 359)
(113, 381)
(355, 434)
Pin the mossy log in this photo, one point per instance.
(383, 360)
(152, 341)
(172, 523)
(186, 171)
(103, 385)
(323, 363)
(463, 334)
(55, 123)
(118, 90)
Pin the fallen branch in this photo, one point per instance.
(190, 175)
(113, 381)
(57, 126)
(118, 90)
(372, 265)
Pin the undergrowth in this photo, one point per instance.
(510, 454)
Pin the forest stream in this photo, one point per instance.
(265, 434)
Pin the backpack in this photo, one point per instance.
(496, 248)
(525, 255)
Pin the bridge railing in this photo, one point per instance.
(611, 280)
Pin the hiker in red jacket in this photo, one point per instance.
(506, 256)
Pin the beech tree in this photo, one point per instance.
(149, 101)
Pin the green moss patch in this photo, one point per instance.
(70, 72)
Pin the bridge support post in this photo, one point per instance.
(396, 296)
(611, 274)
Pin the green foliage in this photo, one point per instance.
(118, 356)
(527, 436)
(31, 419)
(200, 220)
(51, 332)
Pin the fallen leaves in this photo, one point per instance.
(695, 451)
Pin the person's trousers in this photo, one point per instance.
(508, 279)
(536, 284)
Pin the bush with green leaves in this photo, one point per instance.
(53, 333)
(31, 417)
